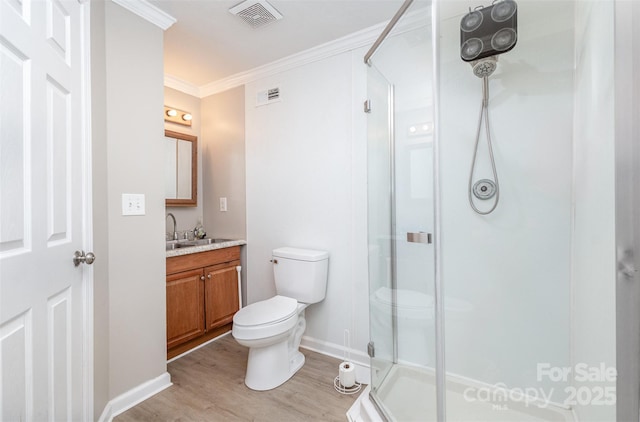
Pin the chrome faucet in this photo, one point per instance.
(175, 233)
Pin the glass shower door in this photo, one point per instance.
(379, 127)
(401, 219)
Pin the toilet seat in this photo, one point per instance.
(266, 318)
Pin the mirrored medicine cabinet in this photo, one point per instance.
(181, 169)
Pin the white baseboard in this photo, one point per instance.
(126, 401)
(358, 358)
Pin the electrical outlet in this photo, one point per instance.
(223, 204)
(133, 204)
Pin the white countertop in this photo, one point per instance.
(204, 248)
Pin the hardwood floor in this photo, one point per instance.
(208, 385)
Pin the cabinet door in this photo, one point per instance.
(221, 294)
(185, 307)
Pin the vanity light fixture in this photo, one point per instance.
(180, 117)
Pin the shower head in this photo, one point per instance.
(485, 67)
(489, 31)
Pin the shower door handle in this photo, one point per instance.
(419, 237)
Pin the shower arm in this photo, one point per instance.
(387, 29)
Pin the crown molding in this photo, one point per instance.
(362, 38)
(347, 43)
(180, 85)
(149, 12)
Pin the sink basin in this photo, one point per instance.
(210, 241)
(180, 244)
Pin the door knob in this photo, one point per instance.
(80, 258)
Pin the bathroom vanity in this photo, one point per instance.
(202, 293)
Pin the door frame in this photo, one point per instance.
(627, 225)
(87, 214)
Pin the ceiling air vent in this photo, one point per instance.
(256, 13)
(268, 96)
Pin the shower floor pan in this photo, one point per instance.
(409, 395)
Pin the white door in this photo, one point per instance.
(44, 217)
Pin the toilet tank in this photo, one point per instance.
(301, 274)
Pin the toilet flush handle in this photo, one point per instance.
(275, 261)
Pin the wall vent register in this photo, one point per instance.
(268, 96)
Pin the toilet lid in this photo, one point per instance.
(269, 311)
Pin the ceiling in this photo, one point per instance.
(207, 43)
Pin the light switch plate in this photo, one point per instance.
(223, 204)
(133, 204)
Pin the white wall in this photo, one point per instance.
(593, 254)
(512, 266)
(223, 163)
(100, 173)
(136, 268)
(186, 217)
(306, 180)
(223, 169)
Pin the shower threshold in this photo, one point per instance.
(409, 394)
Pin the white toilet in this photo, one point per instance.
(272, 329)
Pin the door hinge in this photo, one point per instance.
(371, 350)
(367, 106)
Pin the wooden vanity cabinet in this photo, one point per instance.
(202, 297)
(221, 295)
(185, 307)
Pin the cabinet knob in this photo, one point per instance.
(202, 277)
(209, 276)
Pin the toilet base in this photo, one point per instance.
(266, 368)
(297, 362)
(270, 366)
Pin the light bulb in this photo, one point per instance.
(172, 113)
(187, 117)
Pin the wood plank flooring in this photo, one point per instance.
(208, 385)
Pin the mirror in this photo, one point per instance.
(181, 169)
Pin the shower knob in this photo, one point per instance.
(484, 189)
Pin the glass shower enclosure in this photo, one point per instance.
(472, 317)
